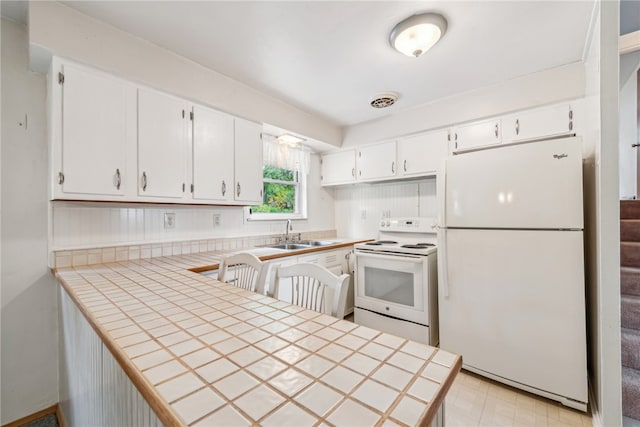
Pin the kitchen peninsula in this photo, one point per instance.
(151, 342)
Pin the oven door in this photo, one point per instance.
(393, 284)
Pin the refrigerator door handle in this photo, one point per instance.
(443, 280)
(441, 189)
(441, 193)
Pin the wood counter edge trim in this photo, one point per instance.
(148, 392)
(286, 254)
(35, 416)
(434, 405)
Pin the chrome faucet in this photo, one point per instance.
(286, 231)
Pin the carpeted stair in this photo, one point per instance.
(630, 306)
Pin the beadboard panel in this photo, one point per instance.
(359, 208)
(94, 390)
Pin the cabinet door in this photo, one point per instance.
(162, 145)
(338, 168)
(422, 154)
(476, 135)
(377, 161)
(540, 123)
(213, 143)
(93, 133)
(248, 162)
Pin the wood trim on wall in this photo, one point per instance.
(55, 409)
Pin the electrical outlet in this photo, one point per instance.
(169, 220)
(216, 220)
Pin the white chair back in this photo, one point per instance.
(244, 270)
(314, 287)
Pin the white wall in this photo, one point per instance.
(81, 225)
(29, 317)
(359, 208)
(628, 156)
(546, 87)
(58, 29)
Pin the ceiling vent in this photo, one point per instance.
(384, 100)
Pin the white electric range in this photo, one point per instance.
(397, 281)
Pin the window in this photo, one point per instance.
(284, 186)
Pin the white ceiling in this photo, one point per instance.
(330, 58)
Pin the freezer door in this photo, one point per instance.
(514, 306)
(536, 185)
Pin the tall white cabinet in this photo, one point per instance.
(163, 142)
(213, 153)
(248, 162)
(92, 122)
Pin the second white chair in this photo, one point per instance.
(244, 270)
(314, 287)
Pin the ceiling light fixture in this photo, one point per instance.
(287, 138)
(418, 33)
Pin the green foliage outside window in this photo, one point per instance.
(279, 191)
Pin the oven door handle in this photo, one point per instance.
(405, 257)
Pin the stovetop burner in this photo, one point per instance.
(381, 242)
(418, 246)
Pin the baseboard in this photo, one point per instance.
(60, 416)
(52, 410)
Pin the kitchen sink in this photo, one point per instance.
(317, 242)
(302, 244)
(288, 246)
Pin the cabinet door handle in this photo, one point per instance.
(405, 166)
(353, 172)
(60, 178)
(570, 119)
(393, 167)
(144, 181)
(495, 130)
(238, 189)
(224, 187)
(517, 126)
(118, 179)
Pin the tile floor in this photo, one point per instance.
(476, 401)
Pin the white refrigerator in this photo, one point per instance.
(511, 266)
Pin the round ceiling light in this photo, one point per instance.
(418, 33)
(384, 100)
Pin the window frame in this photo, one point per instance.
(300, 184)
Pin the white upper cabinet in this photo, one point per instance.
(113, 140)
(163, 132)
(377, 161)
(92, 116)
(248, 162)
(338, 168)
(213, 142)
(545, 122)
(475, 135)
(421, 155)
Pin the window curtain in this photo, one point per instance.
(284, 156)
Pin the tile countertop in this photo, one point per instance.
(205, 261)
(203, 352)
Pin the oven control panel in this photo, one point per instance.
(409, 225)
